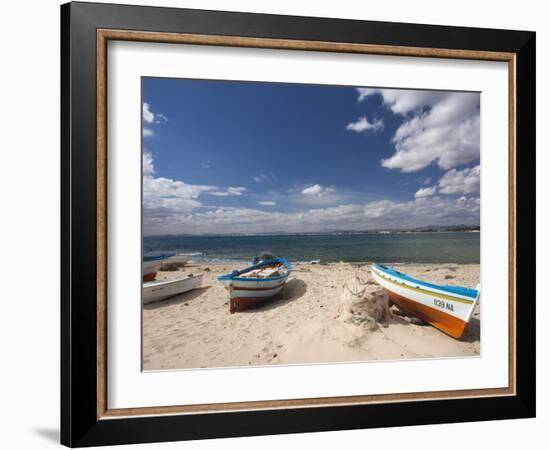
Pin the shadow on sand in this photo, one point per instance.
(397, 320)
(177, 299)
(293, 290)
(473, 331)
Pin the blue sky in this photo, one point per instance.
(237, 157)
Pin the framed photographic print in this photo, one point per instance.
(276, 224)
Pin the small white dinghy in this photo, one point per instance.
(151, 265)
(162, 289)
(181, 258)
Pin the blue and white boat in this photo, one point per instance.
(256, 284)
(448, 308)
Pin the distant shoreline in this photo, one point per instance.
(334, 233)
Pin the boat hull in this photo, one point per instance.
(179, 258)
(151, 265)
(445, 311)
(161, 290)
(244, 297)
(150, 269)
(245, 293)
(450, 325)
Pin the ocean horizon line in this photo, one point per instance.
(473, 229)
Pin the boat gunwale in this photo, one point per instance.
(430, 286)
(155, 283)
(158, 257)
(235, 275)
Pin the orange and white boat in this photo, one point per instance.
(448, 308)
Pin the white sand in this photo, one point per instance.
(301, 326)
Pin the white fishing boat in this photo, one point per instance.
(159, 290)
(448, 308)
(303, 263)
(151, 265)
(181, 258)
(178, 258)
(256, 284)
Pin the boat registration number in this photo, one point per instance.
(443, 304)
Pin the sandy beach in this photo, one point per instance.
(304, 324)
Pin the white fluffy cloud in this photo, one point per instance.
(403, 101)
(426, 192)
(173, 206)
(229, 191)
(373, 215)
(168, 202)
(425, 211)
(148, 165)
(313, 190)
(464, 181)
(317, 190)
(167, 191)
(438, 126)
(260, 178)
(147, 132)
(362, 125)
(167, 196)
(150, 117)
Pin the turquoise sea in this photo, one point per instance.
(447, 247)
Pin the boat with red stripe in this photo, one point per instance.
(256, 284)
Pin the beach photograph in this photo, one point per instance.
(305, 224)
